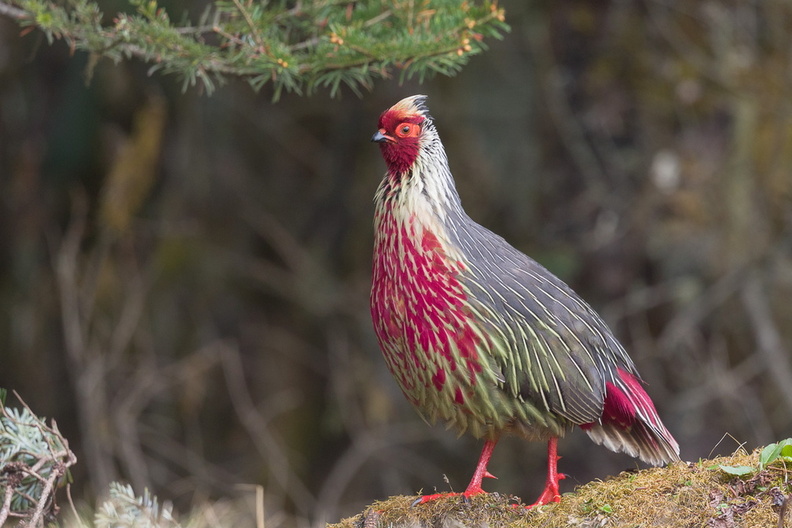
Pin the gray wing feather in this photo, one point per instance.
(551, 347)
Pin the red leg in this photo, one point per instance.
(474, 488)
(551, 492)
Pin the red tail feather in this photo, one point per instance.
(621, 407)
(630, 423)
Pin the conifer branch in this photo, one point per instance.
(320, 44)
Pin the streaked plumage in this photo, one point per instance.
(482, 337)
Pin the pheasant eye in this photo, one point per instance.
(407, 130)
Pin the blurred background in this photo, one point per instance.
(184, 279)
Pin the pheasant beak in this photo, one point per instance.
(381, 137)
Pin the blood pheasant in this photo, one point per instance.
(479, 335)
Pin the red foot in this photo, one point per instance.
(551, 492)
(466, 494)
(474, 488)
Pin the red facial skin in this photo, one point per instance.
(401, 140)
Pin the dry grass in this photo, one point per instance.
(681, 495)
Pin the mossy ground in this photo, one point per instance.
(695, 494)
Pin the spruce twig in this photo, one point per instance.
(321, 44)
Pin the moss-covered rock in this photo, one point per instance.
(686, 494)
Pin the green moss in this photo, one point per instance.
(680, 495)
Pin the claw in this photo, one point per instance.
(465, 496)
(429, 498)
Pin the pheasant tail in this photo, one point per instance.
(630, 424)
